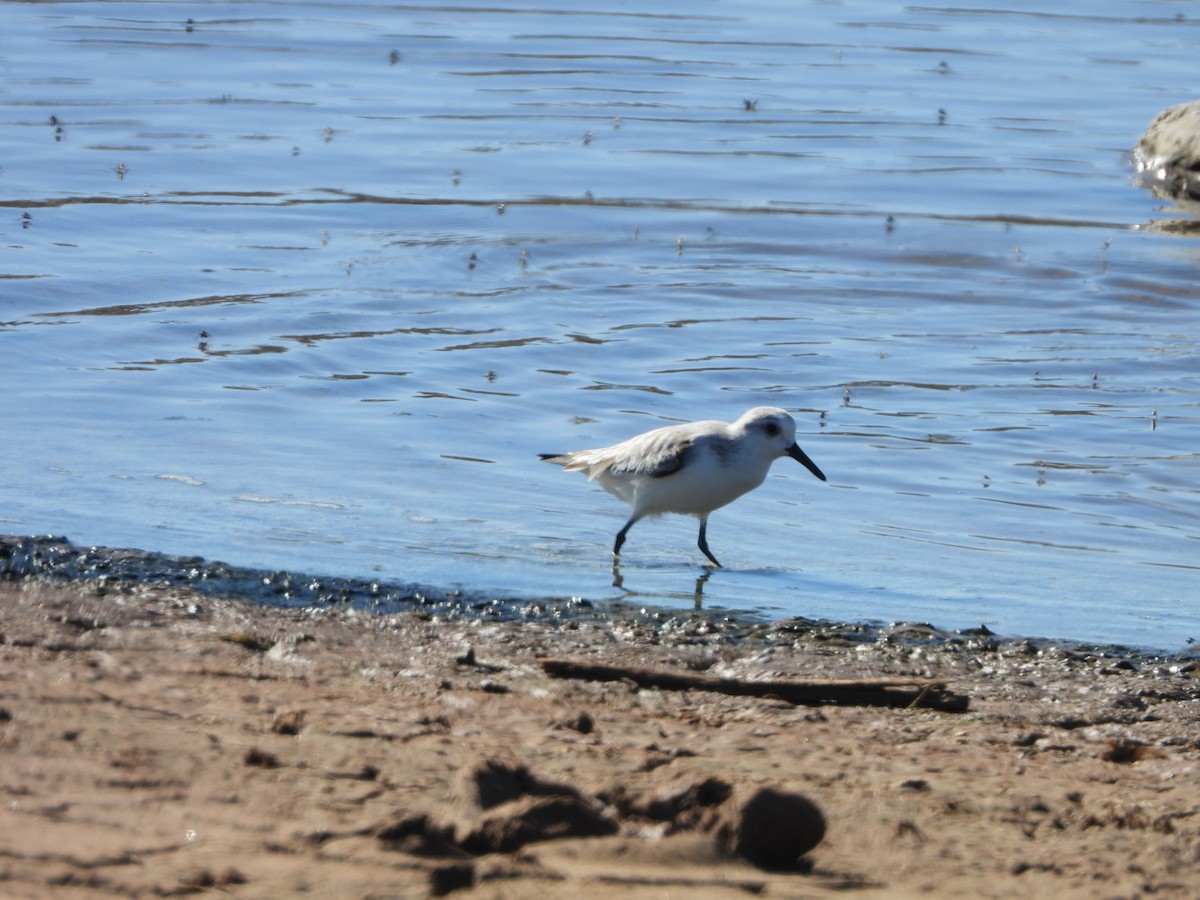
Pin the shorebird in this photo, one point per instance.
(690, 469)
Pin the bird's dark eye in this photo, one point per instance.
(771, 428)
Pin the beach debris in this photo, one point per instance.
(583, 723)
(1127, 751)
(288, 722)
(249, 641)
(261, 759)
(468, 659)
(914, 693)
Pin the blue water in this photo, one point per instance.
(309, 285)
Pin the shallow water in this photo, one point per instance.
(308, 286)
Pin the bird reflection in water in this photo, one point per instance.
(697, 592)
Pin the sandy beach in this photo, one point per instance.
(156, 742)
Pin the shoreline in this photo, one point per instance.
(156, 740)
(57, 558)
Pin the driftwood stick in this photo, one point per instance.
(916, 693)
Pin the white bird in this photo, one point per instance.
(690, 469)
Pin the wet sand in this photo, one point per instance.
(156, 742)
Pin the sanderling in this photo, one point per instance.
(690, 469)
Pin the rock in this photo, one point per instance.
(511, 826)
(1167, 157)
(771, 828)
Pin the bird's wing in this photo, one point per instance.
(656, 454)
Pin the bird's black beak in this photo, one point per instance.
(801, 457)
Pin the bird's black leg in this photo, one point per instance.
(621, 535)
(703, 542)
